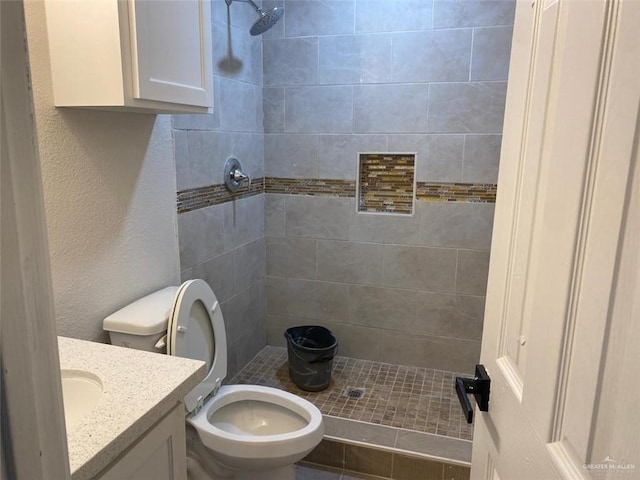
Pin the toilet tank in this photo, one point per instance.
(142, 325)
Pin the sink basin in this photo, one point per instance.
(81, 392)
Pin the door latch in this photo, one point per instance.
(479, 386)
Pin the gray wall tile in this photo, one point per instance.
(273, 108)
(445, 315)
(410, 349)
(238, 104)
(186, 274)
(355, 59)
(491, 53)
(466, 107)
(232, 360)
(202, 164)
(235, 54)
(473, 269)
(207, 153)
(243, 221)
(338, 154)
(219, 273)
(318, 17)
(193, 228)
(366, 227)
(388, 308)
(419, 267)
(237, 14)
(432, 56)
(472, 13)
(353, 340)
(290, 61)
(249, 263)
(481, 158)
(277, 326)
(390, 108)
(291, 155)
(307, 299)
(274, 214)
(319, 217)
(242, 313)
(319, 109)
(438, 157)
(259, 106)
(357, 341)
(249, 344)
(291, 257)
(349, 262)
(466, 225)
(390, 16)
(181, 155)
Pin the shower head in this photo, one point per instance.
(267, 19)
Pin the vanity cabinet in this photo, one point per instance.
(139, 55)
(160, 454)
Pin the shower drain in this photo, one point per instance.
(354, 392)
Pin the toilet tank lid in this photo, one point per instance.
(146, 316)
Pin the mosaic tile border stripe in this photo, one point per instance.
(456, 192)
(310, 186)
(195, 198)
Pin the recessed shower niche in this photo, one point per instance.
(386, 183)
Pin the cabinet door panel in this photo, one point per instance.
(160, 454)
(170, 51)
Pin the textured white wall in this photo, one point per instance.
(109, 186)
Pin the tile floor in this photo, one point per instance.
(308, 473)
(411, 398)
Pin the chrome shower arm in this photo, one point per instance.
(250, 2)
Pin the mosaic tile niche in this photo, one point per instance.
(386, 182)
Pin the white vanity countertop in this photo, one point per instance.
(139, 389)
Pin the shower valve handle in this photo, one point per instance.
(238, 175)
(234, 176)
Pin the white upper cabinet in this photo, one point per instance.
(139, 55)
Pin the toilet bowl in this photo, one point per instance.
(245, 428)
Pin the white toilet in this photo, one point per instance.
(249, 431)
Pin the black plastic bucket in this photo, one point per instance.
(311, 350)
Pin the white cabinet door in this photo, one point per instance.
(138, 55)
(159, 455)
(169, 53)
(561, 324)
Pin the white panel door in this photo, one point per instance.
(170, 51)
(558, 325)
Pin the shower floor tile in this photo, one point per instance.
(411, 398)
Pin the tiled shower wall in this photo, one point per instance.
(349, 76)
(224, 244)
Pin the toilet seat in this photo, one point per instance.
(236, 447)
(196, 330)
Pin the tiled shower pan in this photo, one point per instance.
(389, 421)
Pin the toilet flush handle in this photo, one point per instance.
(162, 343)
